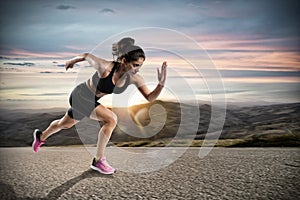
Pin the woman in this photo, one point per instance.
(110, 77)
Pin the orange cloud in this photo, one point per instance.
(20, 53)
(249, 53)
(281, 79)
(270, 61)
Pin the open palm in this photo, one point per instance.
(162, 74)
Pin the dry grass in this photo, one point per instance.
(287, 140)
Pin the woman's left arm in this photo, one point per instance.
(151, 96)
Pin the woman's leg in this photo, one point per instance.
(64, 123)
(109, 118)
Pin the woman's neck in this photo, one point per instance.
(121, 70)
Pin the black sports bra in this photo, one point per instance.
(105, 85)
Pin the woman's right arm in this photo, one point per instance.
(98, 63)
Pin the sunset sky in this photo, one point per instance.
(254, 45)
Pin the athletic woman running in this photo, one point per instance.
(110, 77)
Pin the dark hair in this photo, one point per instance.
(125, 48)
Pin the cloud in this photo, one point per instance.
(4, 58)
(51, 72)
(253, 73)
(107, 11)
(46, 94)
(20, 53)
(20, 64)
(65, 7)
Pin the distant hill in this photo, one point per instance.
(271, 125)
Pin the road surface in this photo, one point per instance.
(225, 173)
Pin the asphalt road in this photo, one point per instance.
(225, 173)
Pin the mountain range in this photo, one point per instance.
(164, 123)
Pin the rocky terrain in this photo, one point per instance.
(272, 125)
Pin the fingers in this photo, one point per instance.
(157, 69)
(164, 69)
(165, 72)
(164, 65)
(68, 65)
(161, 73)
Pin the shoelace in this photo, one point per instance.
(104, 162)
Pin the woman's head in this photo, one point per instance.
(129, 54)
(125, 49)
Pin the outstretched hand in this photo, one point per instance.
(69, 64)
(162, 74)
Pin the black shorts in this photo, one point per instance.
(82, 101)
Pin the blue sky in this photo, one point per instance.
(250, 42)
(56, 26)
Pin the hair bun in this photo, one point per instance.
(123, 43)
(123, 47)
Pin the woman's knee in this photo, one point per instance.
(105, 115)
(112, 120)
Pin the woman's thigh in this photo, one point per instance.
(101, 113)
(67, 121)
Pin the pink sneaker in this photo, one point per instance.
(37, 142)
(102, 166)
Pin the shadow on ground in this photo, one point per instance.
(7, 191)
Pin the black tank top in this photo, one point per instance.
(105, 85)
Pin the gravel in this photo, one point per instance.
(225, 173)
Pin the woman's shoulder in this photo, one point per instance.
(98, 63)
(105, 68)
(103, 65)
(137, 79)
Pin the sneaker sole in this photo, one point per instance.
(99, 170)
(34, 136)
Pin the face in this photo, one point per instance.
(136, 65)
